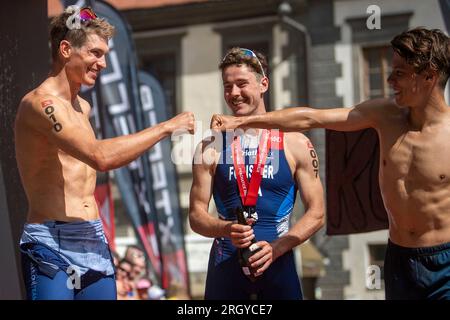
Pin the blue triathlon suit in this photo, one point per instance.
(225, 278)
(67, 261)
(417, 273)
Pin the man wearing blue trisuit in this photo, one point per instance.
(65, 254)
(256, 173)
(414, 130)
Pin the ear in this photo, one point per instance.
(431, 75)
(65, 49)
(264, 84)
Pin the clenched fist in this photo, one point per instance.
(222, 122)
(182, 121)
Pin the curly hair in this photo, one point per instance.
(239, 56)
(425, 49)
(76, 36)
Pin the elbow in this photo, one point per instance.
(100, 163)
(200, 224)
(317, 219)
(305, 118)
(193, 222)
(320, 220)
(196, 226)
(310, 120)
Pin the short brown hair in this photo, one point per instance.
(77, 37)
(425, 49)
(239, 56)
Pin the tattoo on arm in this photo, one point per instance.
(315, 161)
(49, 110)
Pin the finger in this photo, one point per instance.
(259, 261)
(266, 250)
(242, 242)
(247, 239)
(242, 245)
(263, 268)
(214, 122)
(240, 228)
(260, 257)
(242, 235)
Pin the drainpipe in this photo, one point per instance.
(284, 10)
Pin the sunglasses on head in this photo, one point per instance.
(251, 54)
(87, 14)
(84, 14)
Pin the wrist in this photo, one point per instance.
(166, 128)
(277, 249)
(227, 229)
(241, 121)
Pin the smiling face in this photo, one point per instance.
(83, 64)
(420, 66)
(243, 90)
(410, 88)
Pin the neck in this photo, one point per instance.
(63, 87)
(430, 112)
(261, 109)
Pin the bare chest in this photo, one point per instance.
(81, 120)
(422, 159)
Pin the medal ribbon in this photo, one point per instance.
(249, 191)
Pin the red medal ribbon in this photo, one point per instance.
(249, 191)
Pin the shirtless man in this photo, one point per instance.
(290, 164)
(414, 131)
(65, 253)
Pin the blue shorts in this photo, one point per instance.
(417, 273)
(67, 261)
(226, 281)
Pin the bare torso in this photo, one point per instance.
(415, 179)
(58, 186)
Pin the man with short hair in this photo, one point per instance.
(65, 252)
(414, 131)
(259, 172)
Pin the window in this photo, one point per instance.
(377, 67)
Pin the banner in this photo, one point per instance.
(165, 187)
(354, 202)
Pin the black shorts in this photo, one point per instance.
(417, 273)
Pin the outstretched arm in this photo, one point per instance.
(361, 116)
(51, 118)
